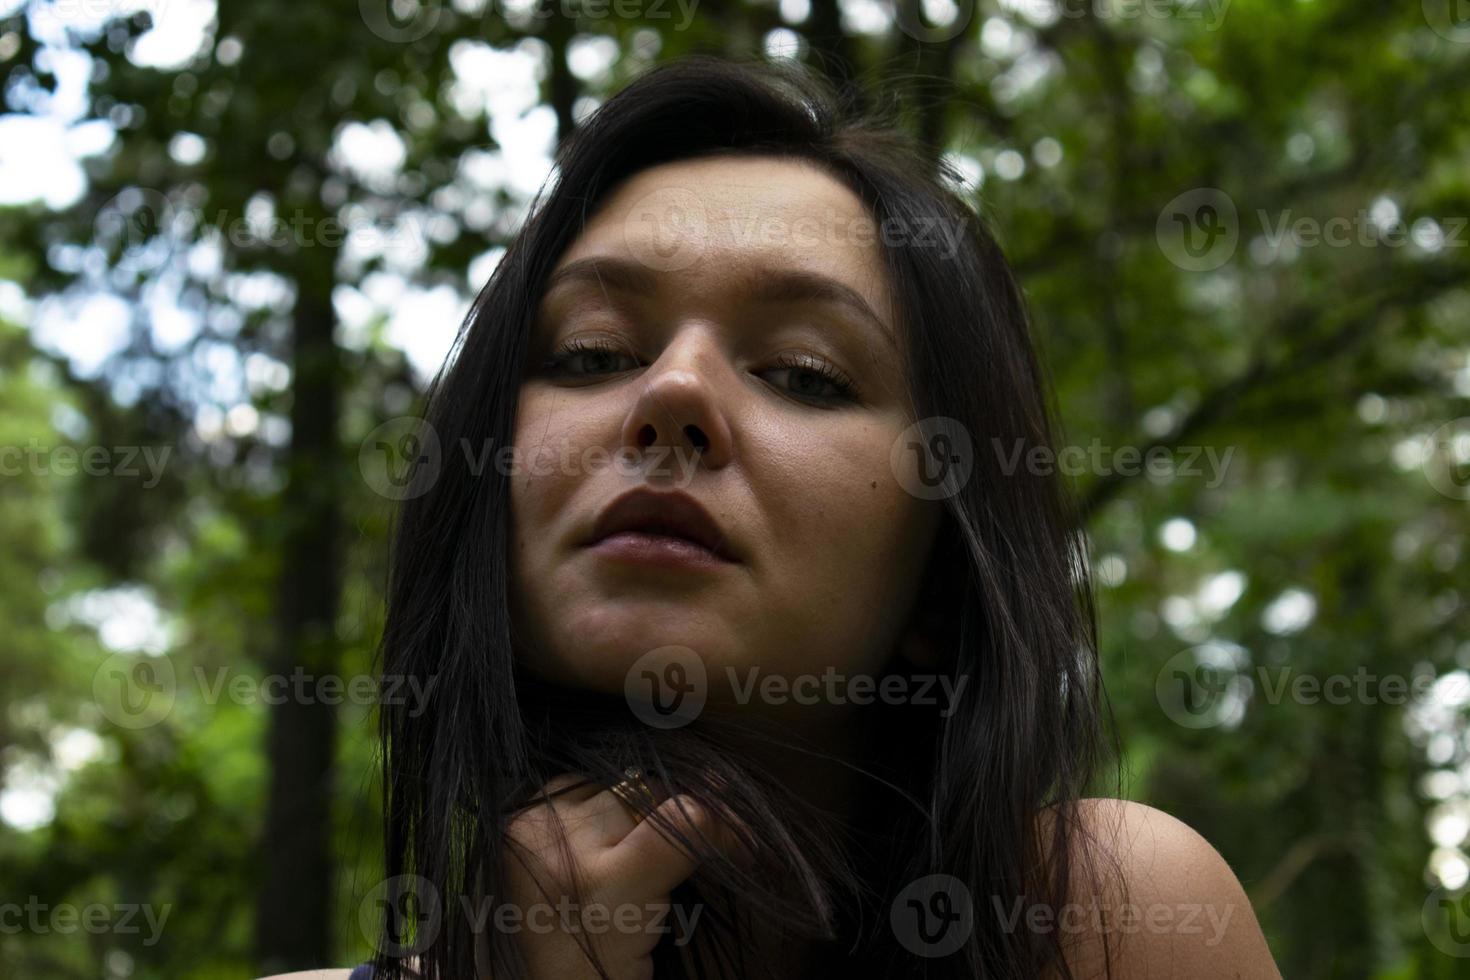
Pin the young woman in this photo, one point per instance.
(751, 654)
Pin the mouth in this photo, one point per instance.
(666, 528)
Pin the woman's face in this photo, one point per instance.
(722, 330)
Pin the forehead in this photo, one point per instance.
(717, 221)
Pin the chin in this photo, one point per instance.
(595, 649)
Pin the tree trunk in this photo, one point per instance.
(294, 905)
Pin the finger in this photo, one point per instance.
(569, 787)
(653, 860)
(581, 816)
(608, 815)
(540, 822)
(600, 821)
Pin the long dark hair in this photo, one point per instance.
(1007, 597)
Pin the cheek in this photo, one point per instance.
(557, 449)
(835, 488)
(849, 543)
(543, 481)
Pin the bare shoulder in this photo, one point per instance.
(1180, 910)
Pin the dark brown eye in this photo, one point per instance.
(811, 379)
(582, 358)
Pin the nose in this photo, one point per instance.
(678, 409)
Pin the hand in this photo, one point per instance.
(626, 871)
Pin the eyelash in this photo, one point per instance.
(845, 388)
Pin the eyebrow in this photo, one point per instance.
(763, 285)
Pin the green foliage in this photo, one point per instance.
(1313, 372)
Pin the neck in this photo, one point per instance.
(810, 749)
(814, 751)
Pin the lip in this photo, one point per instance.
(660, 527)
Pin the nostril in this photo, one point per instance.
(646, 436)
(697, 437)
